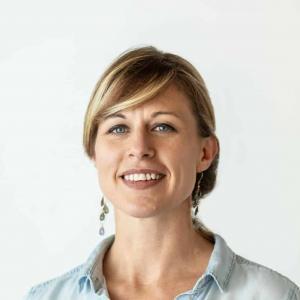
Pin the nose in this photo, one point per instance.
(140, 145)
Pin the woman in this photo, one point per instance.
(150, 132)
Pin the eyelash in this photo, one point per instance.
(110, 131)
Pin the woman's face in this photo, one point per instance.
(162, 142)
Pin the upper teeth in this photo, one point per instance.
(137, 177)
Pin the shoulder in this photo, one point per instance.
(264, 281)
(60, 287)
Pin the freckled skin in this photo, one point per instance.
(141, 144)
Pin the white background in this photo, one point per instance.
(52, 53)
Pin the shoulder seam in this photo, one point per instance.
(243, 260)
(293, 292)
(46, 283)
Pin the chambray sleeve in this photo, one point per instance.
(31, 295)
(295, 293)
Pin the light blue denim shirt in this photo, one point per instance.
(228, 277)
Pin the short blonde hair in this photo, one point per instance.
(138, 75)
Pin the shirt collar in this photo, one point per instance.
(95, 260)
(219, 267)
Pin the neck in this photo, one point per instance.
(148, 251)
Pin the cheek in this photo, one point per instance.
(184, 160)
(182, 151)
(106, 158)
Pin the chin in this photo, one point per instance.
(140, 210)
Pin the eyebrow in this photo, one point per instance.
(153, 115)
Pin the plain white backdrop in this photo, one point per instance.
(52, 53)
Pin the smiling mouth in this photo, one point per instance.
(142, 184)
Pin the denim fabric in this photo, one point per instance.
(228, 277)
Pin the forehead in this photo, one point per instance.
(170, 101)
(171, 97)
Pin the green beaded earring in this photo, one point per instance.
(197, 195)
(104, 211)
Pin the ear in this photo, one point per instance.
(208, 151)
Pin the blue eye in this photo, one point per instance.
(165, 125)
(114, 128)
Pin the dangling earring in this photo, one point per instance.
(102, 215)
(197, 195)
